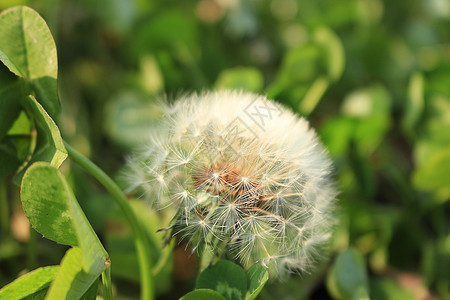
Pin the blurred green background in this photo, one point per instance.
(372, 76)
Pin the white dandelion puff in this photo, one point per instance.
(240, 171)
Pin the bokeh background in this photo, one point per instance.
(372, 76)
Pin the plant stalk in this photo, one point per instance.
(141, 242)
(106, 280)
(4, 207)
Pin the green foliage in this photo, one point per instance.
(348, 277)
(372, 77)
(229, 280)
(29, 284)
(72, 280)
(28, 50)
(53, 210)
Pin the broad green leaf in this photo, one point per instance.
(348, 277)
(49, 144)
(29, 284)
(203, 294)
(29, 51)
(257, 277)
(71, 281)
(224, 277)
(44, 199)
(248, 79)
(53, 211)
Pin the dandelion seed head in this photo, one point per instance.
(241, 171)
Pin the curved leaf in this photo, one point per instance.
(49, 144)
(226, 278)
(30, 284)
(29, 51)
(71, 281)
(53, 210)
(257, 277)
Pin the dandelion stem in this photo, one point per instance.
(141, 243)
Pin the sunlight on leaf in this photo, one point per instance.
(29, 51)
(30, 284)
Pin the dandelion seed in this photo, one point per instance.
(241, 171)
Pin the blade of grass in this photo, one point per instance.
(141, 243)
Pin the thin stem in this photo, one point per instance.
(106, 280)
(140, 240)
(4, 206)
(32, 249)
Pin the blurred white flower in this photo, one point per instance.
(245, 177)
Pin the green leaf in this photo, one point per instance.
(248, 79)
(348, 277)
(257, 277)
(29, 51)
(71, 281)
(29, 284)
(203, 294)
(9, 107)
(91, 293)
(49, 145)
(432, 175)
(226, 278)
(44, 199)
(52, 209)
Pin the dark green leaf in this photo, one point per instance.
(226, 278)
(257, 277)
(29, 51)
(29, 284)
(49, 145)
(9, 107)
(91, 293)
(203, 294)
